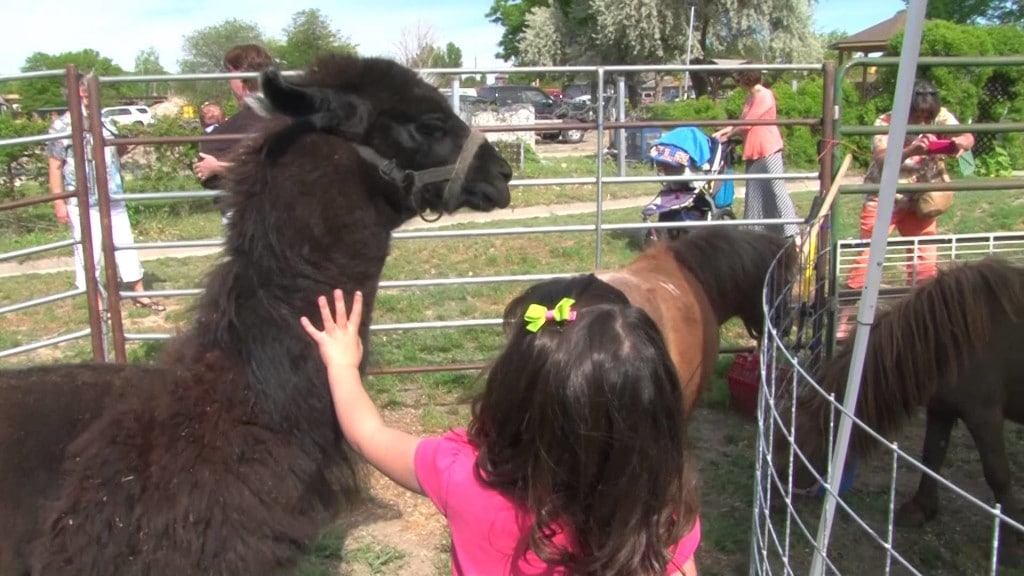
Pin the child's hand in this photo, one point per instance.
(339, 341)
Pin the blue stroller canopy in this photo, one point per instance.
(689, 139)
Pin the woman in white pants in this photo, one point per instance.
(62, 178)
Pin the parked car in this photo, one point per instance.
(545, 108)
(137, 115)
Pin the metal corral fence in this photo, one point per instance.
(845, 524)
(110, 319)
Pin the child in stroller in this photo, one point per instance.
(689, 151)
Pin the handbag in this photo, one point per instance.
(933, 204)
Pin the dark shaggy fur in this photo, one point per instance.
(225, 458)
(953, 346)
(724, 259)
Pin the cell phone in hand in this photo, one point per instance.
(942, 147)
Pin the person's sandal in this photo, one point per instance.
(149, 303)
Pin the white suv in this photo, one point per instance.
(137, 115)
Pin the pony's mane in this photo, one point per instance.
(731, 265)
(923, 337)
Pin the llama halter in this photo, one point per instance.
(537, 315)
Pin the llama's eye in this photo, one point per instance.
(431, 128)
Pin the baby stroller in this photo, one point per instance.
(688, 151)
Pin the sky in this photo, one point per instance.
(373, 25)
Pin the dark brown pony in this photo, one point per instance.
(953, 346)
(225, 458)
(692, 285)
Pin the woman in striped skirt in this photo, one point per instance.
(762, 152)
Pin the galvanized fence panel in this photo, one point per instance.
(599, 181)
(790, 535)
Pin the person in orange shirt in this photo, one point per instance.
(762, 152)
(920, 164)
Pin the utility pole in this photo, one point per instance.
(689, 42)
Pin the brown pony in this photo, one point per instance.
(693, 284)
(225, 458)
(953, 346)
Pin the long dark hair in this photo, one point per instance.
(925, 100)
(582, 423)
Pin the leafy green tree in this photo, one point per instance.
(450, 57)
(203, 53)
(19, 163)
(47, 92)
(976, 11)
(511, 15)
(147, 63)
(203, 50)
(309, 35)
(829, 38)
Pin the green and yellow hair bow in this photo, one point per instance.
(537, 315)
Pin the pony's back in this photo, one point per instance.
(927, 339)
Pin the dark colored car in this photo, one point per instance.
(545, 108)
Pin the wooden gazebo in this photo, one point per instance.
(871, 40)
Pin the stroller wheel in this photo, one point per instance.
(650, 236)
(725, 214)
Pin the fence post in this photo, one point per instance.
(600, 166)
(74, 100)
(822, 271)
(620, 133)
(99, 144)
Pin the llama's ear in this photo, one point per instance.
(286, 98)
(338, 112)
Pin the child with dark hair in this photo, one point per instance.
(921, 163)
(574, 461)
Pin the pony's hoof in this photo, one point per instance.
(913, 515)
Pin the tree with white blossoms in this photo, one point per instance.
(605, 32)
(655, 31)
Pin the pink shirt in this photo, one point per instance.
(486, 527)
(760, 141)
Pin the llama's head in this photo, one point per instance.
(399, 124)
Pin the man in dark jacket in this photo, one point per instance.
(214, 155)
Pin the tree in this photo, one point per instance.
(416, 46)
(417, 49)
(309, 35)
(654, 31)
(203, 52)
(46, 92)
(827, 39)
(26, 161)
(511, 15)
(450, 57)
(976, 11)
(606, 32)
(147, 63)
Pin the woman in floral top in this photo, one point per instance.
(918, 166)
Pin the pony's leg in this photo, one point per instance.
(924, 505)
(986, 429)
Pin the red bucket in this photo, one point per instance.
(744, 378)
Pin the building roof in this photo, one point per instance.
(875, 38)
